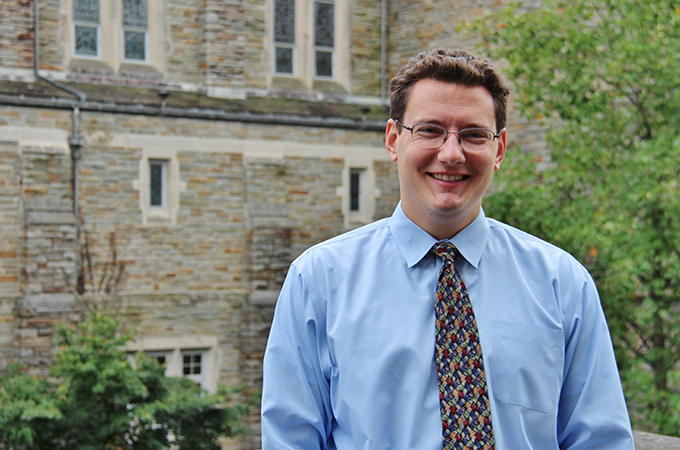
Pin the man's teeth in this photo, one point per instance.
(447, 177)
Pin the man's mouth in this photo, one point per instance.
(449, 178)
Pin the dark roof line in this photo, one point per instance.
(194, 113)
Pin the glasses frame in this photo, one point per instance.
(457, 133)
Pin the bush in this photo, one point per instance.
(100, 400)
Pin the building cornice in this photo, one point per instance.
(192, 105)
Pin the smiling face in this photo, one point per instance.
(442, 189)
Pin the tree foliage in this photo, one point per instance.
(100, 400)
(23, 405)
(603, 74)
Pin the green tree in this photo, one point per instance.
(603, 74)
(103, 401)
(23, 406)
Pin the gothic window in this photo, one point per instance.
(284, 36)
(135, 29)
(86, 28)
(324, 33)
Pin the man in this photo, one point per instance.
(381, 341)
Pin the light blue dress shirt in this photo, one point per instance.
(350, 358)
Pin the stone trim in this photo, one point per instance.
(368, 192)
(110, 59)
(166, 215)
(175, 346)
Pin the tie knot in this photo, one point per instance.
(445, 250)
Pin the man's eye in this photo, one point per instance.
(429, 131)
(475, 134)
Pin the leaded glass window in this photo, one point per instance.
(86, 27)
(324, 64)
(135, 16)
(157, 183)
(135, 45)
(284, 60)
(284, 35)
(86, 11)
(324, 33)
(323, 29)
(135, 13)
(86, 41)
(355, 190)
(284, 25)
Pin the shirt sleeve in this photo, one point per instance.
(592, 410)
(296, 410)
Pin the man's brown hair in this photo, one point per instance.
(451, 66)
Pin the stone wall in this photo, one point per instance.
(52, 34)
(16, 34)
(38, 256)
(11, 224)
(10, 219)
(223, 40)
(252, 198)
(49, 224)
(184, 40)
(255, 65)
(366, 47)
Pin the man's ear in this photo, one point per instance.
(391, 135)
(500, 152)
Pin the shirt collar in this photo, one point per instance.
(415, 243)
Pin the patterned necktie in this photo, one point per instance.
(463, 398)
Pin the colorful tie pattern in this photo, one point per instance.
(463, 397)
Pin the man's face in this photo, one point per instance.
(442, 189)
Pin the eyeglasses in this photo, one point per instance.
(431, 137)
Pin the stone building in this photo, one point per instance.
(202, 146)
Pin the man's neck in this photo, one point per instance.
(442, 227)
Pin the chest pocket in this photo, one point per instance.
(526, 364)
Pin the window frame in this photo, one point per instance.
(367, 192)
(283, 44)
(192, 353)
(111, 37)
(305, 48)
(146, 46)
(355, 189)
(324, 48)
(168, 359)
(82, 23)
(134, 29)
(167, 214)
(163, 164)
(173, 349)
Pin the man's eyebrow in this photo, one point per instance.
(469, 124)
(433, 121)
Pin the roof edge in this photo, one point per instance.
(193, 113)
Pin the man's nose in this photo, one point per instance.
(452, 150)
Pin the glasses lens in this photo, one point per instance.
(476, 139)
(427, 135)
